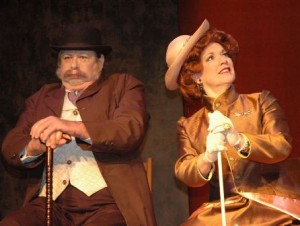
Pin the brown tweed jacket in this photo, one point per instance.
(115, 116)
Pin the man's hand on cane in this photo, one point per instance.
(52, 131)
(55, 132)
(37, 146)
(47, 132)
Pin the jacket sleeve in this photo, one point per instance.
(272, 143)
(17, 138)
(124, 128)
(186, 167)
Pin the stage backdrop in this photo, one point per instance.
(268, 33)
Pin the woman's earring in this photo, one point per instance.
(197, 80)
(200, 87)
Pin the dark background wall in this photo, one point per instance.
(139, 31)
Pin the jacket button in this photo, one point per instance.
(217, 104)
(109, 143)
(75, 112)
(64, 182)
(13, 156)
(69, 162)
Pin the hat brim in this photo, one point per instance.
(174, 69)
(97, 48)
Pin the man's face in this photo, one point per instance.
(78, 69)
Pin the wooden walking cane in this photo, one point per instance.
(49, 185)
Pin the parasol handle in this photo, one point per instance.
(221, 185)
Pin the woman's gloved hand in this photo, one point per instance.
(214, 143)
(219, 123)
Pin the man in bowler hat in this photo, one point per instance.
(94, 125)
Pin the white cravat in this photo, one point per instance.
(73, 165)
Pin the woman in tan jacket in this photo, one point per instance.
(250, 131)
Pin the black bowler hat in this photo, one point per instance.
(81, 36)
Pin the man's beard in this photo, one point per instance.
(75, 78)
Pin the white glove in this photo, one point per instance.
(214, 143)
(219, 123)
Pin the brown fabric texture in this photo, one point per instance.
(263, 171)
(114, 114)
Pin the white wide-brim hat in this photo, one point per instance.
(177, 52)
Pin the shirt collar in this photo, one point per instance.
(225, 99)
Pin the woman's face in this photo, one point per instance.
(217, 70)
